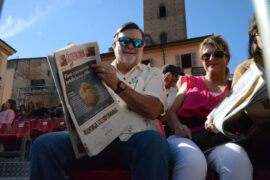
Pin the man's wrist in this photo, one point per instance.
(121, 86)
(116, 85)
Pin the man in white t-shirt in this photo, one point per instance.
(171, 76)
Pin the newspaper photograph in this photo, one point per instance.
(97, 118)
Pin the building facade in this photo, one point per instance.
(5, 86)
(164, 21)
(32, 81)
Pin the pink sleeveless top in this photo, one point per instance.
(199, 100)
(7, 117)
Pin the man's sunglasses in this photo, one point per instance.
(124, 41)
(217, 54)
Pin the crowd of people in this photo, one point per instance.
(142, 150)
(9, 111)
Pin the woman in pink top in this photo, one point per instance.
(7, 116)
(194, 101)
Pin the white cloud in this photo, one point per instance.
(13, 26)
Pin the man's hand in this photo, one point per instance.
(183, 131)
(146, 105)
(209, 125)
(168, 79)
(107, 73)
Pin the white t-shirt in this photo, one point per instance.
(171, 94)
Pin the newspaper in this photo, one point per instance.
(94, 119)
(250, 89)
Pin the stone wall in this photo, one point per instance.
(29, 69)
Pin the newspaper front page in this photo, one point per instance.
(93, 112)
(75, 140)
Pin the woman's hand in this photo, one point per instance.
(209, 125)
(182, 131)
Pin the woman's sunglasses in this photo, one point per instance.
(217, 54)
(124, 41)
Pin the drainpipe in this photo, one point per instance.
(163, 54)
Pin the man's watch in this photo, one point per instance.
(121, 86)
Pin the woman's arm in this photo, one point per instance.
(179, 99)
(172, 118)
(258, 113)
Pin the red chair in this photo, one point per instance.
(17, 141)
(160, 127)
(3, 128)
(43, 126)
(33, 122)
(19, 129)
(10, 134)
(105, 173)
(59, 124)
(24, 129)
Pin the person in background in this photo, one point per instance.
(57, 112)
(21, 114)
(141, 149)
(3, 107)
(254, 50)
(254, 122)
(180, 80)
(40, 112)
(171, 75)
(30, 109)
(8, 116)
(196, 98)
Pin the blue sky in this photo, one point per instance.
(36, 28)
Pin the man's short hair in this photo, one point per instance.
(129, 25)
(172, 69)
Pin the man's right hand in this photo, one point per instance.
(107, 73)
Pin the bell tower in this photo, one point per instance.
(164, 21)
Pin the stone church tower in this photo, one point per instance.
(164, 21)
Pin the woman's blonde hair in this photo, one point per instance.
(219, 44)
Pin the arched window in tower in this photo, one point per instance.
(162, 11)
(163, 38)
(148, 40)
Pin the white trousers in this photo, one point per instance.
(189, 161)
(229, 160)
